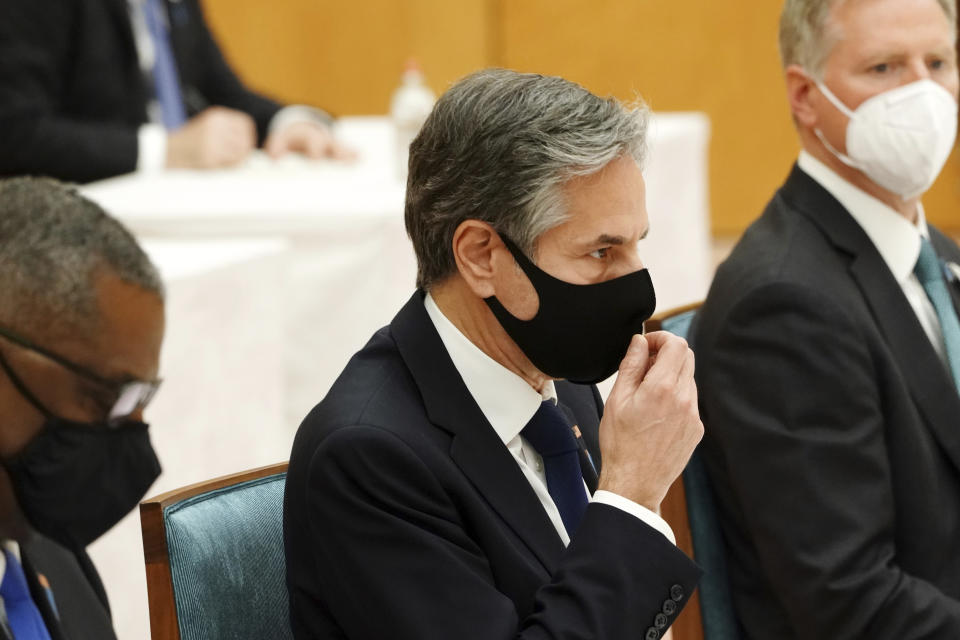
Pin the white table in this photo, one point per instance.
(320, 204)
(344, 268)
(213, 360)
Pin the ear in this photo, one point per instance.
(800, 93)
(475, 249)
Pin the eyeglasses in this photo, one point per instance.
(130, 396)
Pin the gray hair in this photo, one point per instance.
(53, 244)
(806, 37)
(498, 147)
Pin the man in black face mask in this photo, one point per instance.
(81, 322)
(450, 484)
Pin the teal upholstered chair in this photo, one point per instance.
(691, 511)
(214, 559)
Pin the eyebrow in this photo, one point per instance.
(616, 240)
(879, 55)
(113, 381)
(121, 378)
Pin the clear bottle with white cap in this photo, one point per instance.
(409, 107)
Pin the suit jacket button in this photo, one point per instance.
(676, 592)
(660, 621)
(652, 634)
(669, 607)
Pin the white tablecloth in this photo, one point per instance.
(253, 344)
(214, 361)
(316, 204)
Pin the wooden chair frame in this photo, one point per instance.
(656, 322)
(163, 608)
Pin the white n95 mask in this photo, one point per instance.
(900, 138)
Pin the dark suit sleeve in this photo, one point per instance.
(397, 561)
(791, 396)
(35, 138)
(218, 84)
(80, 607)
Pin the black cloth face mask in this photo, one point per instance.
(581, 331)
(75, 480)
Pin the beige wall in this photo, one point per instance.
(717, 57)
(347, 56)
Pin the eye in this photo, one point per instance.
(883, 67)
(936, 64)
(600, 254)
(98, 401)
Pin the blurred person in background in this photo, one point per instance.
(828, 349)
(95, 88)
(81, 323)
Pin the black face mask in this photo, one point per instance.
(73, 482)
(581, 331)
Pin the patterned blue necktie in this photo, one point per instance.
(929, 271)
(166, 80)
(551, 435)
(22, 614)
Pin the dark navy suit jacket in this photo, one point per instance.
(67, 590)
(406, 517)
(832, 432)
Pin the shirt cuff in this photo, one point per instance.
(298, 113)
(151, 147)
(625, 504)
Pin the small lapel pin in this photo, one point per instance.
(952, 271)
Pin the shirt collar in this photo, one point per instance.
(505, 399)
(896, 238)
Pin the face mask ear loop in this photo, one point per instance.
(842, 108)
(22, 388)
(845, 110)
(842, 157)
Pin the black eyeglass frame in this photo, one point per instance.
(115, 387)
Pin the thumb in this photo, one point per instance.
(634, 366)
(316, 147)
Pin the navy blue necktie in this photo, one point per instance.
(551, 434)
(22, 614)
(166, 80)
(929, 271)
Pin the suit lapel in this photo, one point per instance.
(120, 13)
(41, 598)
(929, 382)
(948, 252)
(954, 287)
(476, 448)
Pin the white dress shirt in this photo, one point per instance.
(896, 239)
(508, 403)
(152, 136)
(14, 548)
